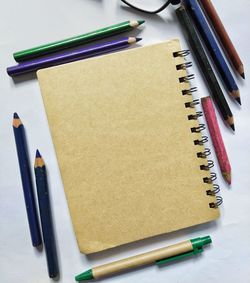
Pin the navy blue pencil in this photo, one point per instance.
(25, 172)
(45, 215)
(213, 48)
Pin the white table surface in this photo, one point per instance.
(28, 23)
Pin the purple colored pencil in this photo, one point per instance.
(70, 56)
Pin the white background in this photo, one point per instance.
(28, 23)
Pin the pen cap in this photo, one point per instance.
(198, 243)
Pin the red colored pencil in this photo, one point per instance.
(216, 137)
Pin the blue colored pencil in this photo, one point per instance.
(45, 216)
(25, 172)
(213, 48)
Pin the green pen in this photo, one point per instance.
(159, 256)
(75, 41)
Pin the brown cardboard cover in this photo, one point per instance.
(124, 146)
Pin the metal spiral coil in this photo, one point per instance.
(215, 191)
(189, 91)
(196, 116)
(187, 78)
(204, 154)
(184, 66)
(192, 104)
(181, 53)
(219, 201)
(202, 141)
(209, 180)
(210, 164)
(198, 129)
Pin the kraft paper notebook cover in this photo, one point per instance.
(121, 127)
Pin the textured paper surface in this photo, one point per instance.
(124, 146)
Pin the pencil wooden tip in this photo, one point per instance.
(241, 71)
(39, 160)
(232, 127)
(133, 40)
(238, 100)
(135, 24)
(16, 120)
(230, 122)
(236, 95)
(243, 75)
(228, 177)
(38, 155)
(15, 116)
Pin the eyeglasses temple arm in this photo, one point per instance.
(145, 11)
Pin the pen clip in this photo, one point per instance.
(177, 257)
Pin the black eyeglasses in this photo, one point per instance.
(150, 6)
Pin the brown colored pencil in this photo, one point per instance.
(223, 36)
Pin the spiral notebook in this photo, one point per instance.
(129, 145)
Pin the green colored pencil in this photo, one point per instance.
(75, 41)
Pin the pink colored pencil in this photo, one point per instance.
(216, 137)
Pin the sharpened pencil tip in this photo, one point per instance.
(138, 39)
(39, 160)
(243, 75)
(15, 116)
(16, 122)
(238, 100)
(228, 177)
(140, 22)
(38, 155)
(232, 127)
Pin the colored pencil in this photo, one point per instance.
(205, 67)
(45, 216)
(216, 137)
(223, 36)
(75, 41)
(213, 48)
(28, 191)
(70, 56)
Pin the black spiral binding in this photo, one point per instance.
(184, 66)
(200, 154)
(189, 91)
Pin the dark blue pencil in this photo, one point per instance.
(25, 172)
(45, 215)
(213, 48)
